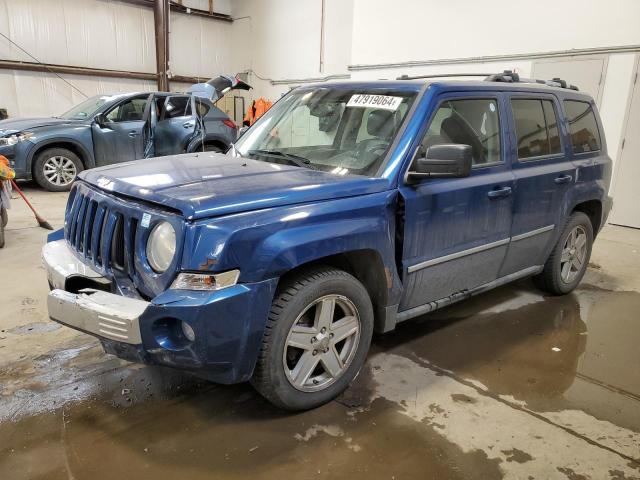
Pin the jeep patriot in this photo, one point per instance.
(347, 208)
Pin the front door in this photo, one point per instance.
(176, 125)
(544, 175)
(120, 138)
(456, 231)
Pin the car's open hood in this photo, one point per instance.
(208, 184)
(216, 88)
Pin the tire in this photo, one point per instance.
(55, 169)
(554, 278)
(213, 148)
(280, 374)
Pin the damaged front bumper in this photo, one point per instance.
(228, 323)
(100, 313)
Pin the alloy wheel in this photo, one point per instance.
(573, 255)
(321, 343)
(59, 171)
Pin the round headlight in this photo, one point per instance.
(161, 246)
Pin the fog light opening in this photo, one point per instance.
(173, 334)
(188, 331)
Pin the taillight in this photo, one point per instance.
(229, 123)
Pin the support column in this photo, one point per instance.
(161, 22)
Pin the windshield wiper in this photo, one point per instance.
(295, 159)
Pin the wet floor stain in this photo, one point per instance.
(510, 384)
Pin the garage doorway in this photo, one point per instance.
(626, 202)
(587, 73)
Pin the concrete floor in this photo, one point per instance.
(509, 384)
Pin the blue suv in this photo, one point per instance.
(108, 129)
(346, 209)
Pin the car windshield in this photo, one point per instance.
(335, 130)
(89, 107)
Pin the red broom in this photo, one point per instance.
(41, 221)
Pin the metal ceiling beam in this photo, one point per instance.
(179, 8)
(91, 72)
(161, 25)
(73, 70)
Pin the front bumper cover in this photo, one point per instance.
(229, 323)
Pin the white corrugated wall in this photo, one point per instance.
(106, 34)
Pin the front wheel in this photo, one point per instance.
(568, 261)
(316, 339)
(55, 169)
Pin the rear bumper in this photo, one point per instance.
(228, 324)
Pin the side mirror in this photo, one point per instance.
(449, 160)
(101, 120)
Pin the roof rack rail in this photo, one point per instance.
(443, 75)
(512, 77)
(507, 76)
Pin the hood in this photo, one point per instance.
(217, 87)
(13, 125)
(208, 184)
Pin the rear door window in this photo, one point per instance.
(176, 107)
(583, 128)
(536, 128)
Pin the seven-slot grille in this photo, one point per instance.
(103, 235)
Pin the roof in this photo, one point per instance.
(416, 85)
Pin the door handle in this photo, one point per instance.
(133, 133)
(188, 124)
(499, 192)
(563, 179)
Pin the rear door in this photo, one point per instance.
(456, 231)
(544, 175)
(121, 137)
(176, 125)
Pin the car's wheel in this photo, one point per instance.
(568, 261)
(316, 339)
(55, 169)
(213, 148)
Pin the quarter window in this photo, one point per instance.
(583, 127)
(536, 128)
(472, 122)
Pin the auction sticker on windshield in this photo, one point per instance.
(385, 102)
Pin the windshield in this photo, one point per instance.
(334, 130)
(89, 107)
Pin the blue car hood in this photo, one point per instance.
(13, 125)
(201, 185)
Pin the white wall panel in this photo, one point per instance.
(86, 33)
(32, 94)
(431, 29)
(200, 46)
(280, 39)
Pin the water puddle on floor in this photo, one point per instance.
(508, 384)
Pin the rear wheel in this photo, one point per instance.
(55, 169)
(213, 148)
(568, 261)
(316, 339)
